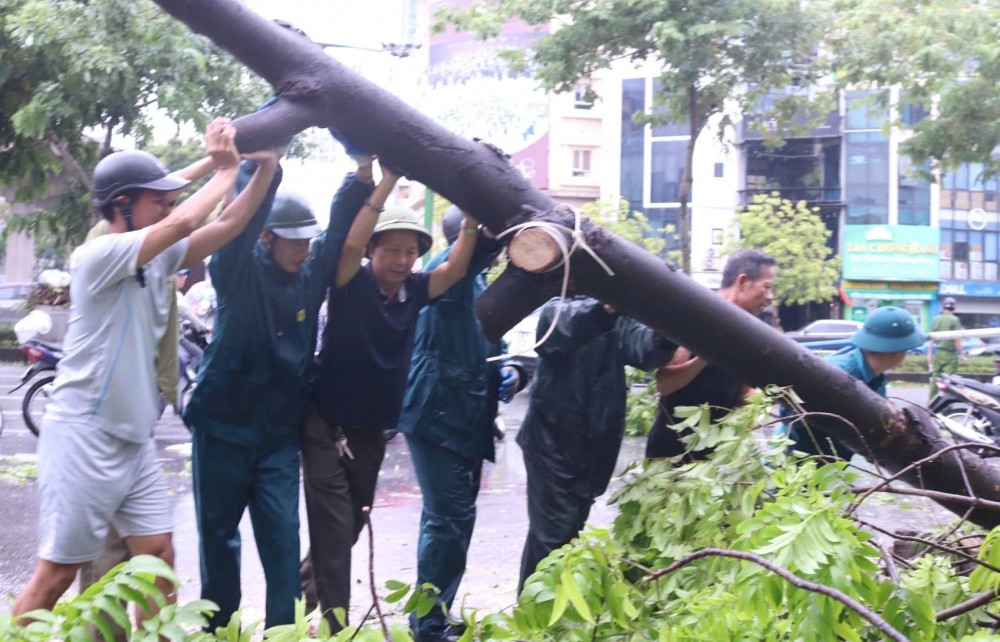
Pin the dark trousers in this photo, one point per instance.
(228, 479)
(556, 514)
(336, 489)
(449, 483)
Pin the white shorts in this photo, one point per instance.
(89, 478)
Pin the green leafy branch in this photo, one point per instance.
(865, 612)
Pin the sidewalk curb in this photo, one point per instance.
(923, 377)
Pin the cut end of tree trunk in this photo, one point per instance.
(536, 249)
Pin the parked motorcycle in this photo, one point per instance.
(193, 341)
(42, 358)
(969, 410)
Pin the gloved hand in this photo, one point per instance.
(361, 156)
(509, 379)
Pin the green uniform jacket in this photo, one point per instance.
(253, 382)
(945, 323)
(451, 393)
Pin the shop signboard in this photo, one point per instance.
(981, 289)
(891, 252)
(882, 290)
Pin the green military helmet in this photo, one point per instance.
(401, 218)
(291, 218)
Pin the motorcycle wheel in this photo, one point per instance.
(968, 417)
(34, 402)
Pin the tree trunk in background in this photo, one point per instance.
(318, 91)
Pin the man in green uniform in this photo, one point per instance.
(943, 355)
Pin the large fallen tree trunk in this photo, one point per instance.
(318, 91)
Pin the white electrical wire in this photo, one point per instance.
(556, 231)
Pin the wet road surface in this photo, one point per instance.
(494, 555)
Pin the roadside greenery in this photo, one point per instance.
(16, 471)
(7, 337)
(749, 545)
(796, 236)
(942, 56)
(974, 365)
(615, 216)
(75, 75)
(641, 403)
(713, 58)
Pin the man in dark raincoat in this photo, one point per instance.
(576, 419)
(448, 413)
(249, 405)
(361, 378)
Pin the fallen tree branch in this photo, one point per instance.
(962, 608)
(929, 494)
(917, 466)
(890, 563)
(367, 512)
(929, 543)
(874, 618)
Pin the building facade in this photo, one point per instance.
(903, 240)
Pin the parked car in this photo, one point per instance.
(12, 298)
(827, 345)
(971, 346)
(825, 330)
(989, 349)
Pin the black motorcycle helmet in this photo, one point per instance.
(451, 223)
(291, 218)
(120, 172)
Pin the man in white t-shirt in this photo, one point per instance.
(97, 460)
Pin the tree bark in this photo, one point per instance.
(319, 91)
(687, 180)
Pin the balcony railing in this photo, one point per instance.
(816, 195)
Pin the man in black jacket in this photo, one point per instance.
(576, 419)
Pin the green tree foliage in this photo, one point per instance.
(750, 545)
(615, 216)
(74, 73)
(795, 235)
(945, 57)
(716, 57)
(105, 604)
(642, 402)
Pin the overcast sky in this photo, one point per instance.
(361, 24)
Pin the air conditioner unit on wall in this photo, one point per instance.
(711, 260)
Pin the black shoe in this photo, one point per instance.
(456, 627)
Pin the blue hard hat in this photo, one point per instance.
(888, 329)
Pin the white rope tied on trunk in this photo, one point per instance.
(557, 233)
